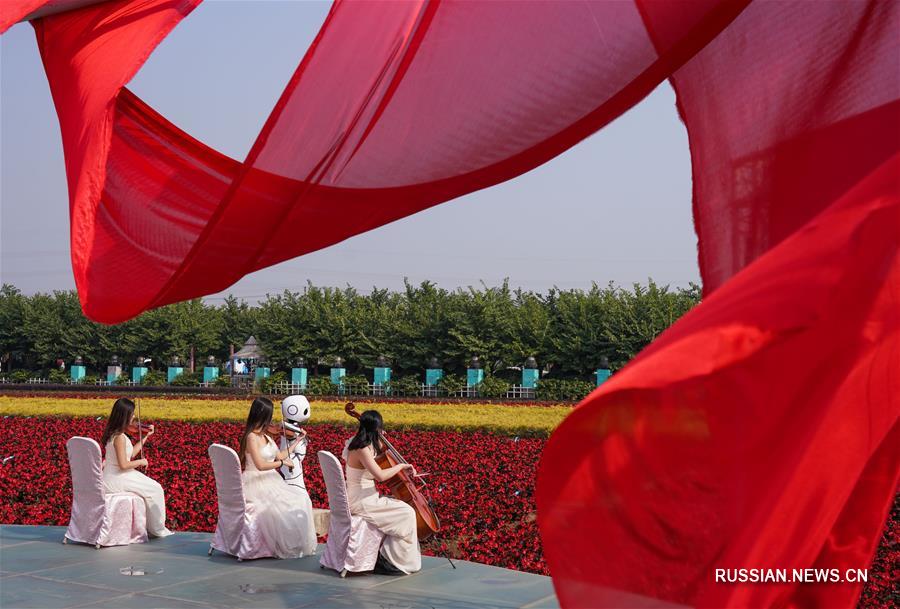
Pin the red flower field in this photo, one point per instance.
(482, 486)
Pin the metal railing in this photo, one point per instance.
(516, 392)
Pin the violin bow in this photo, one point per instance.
(140, 431)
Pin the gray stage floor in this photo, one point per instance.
(37, 570)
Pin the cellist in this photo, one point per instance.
(399, 552)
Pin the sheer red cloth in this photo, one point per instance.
(759, 431)
(396, 107)
(13, 11)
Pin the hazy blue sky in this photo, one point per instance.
(614, 208)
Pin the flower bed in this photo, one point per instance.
(482, 486)
(496, 418)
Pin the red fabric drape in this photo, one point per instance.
(13, 11)
(759, 431)
(434, 100)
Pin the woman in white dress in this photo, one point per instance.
(120, 472)
(284, 512)
(397, 520)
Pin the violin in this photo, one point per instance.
(403, 485)
(138, 428)
(274, 430)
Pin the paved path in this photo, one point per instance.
(37, 570)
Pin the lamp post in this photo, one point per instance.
(210, 370)
(338, 372)
(299, 374)
(262, 371)
(603, 371)
(382, 373)
(175, 369)
(139, 371)
(433, 372)
(474, 373)
(77, 371)
(530, 373)
(113, 370)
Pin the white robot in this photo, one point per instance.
(295, 411)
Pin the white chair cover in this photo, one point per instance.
(237, 532)
(353, 543)
(98, 518)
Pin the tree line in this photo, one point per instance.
(567, 331)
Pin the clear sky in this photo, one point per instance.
(616, 207)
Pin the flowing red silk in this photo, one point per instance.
(13, 11)
(759, 431)
(433, 100)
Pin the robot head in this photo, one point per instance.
(295, 411)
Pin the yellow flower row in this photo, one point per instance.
(495, 418)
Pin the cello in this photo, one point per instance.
(403, 485)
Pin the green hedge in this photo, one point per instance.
(552, 390)
(268, 384)
(492, 387)
(405, 386)
(320, 385)
(154, 378)
(187, 379)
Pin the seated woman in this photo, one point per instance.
(397, 520)
(120, 474)
(284, 512)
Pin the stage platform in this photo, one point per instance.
(37, 570)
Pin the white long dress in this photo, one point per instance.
(284, 512)
(116, 480)
(394, 518)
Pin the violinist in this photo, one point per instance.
(284, 512)
(120, 474)
(399, 552)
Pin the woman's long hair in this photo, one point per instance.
(370, 423)
(119, 417)
(259, 417)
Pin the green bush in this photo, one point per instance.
(355, 384)
(90, 379)
(154, 378)
(562, 389)
(320, 385)
(187, 379)
(407, 385)
(20, 376)
(492, 387)
(268, 384)
(451, 383)
(222, 380)
(60, 377)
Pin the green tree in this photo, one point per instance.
(14, 340)
(195, 329)
(238, 324)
